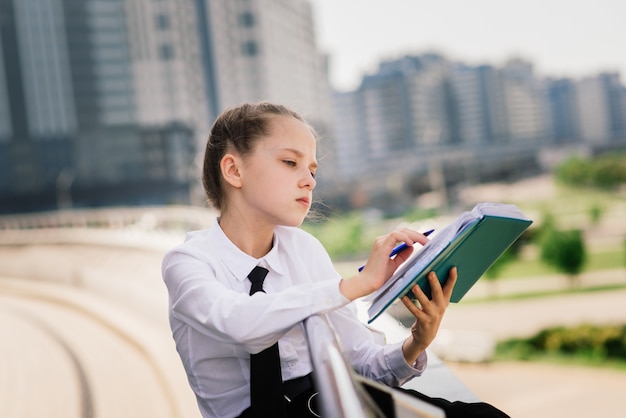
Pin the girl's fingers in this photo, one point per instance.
(448, 287)
(436, 292)
(439, 295)
(408, 236)
(420, 295)
(415, 310)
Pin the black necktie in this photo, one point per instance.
(266, 391)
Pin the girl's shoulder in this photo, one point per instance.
(194, 242)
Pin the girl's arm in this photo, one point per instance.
(378, 270)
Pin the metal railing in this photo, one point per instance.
(183, 218)
(338, 391)
(344, 394)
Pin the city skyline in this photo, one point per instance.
(562, 39)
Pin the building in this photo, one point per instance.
(110, 101)
(265, 50)
(478, 109)
(422, 123)
(524, 103)
(563, 111)
(89, 84)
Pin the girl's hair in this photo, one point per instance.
(236, 128)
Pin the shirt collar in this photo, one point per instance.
(239, 263)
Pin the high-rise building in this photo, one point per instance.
(110, 101)
(422, 121)
(593, 109)
(479, 104)
(524, 102)
(617, 107)
(256, 50)
(167, 63)
(265, 50)
(89, 86)
(402, 108)
(349, 126)
(563, 111)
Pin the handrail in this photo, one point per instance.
(339, 395)
(345, 394)
(183, 218)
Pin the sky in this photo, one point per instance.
(562, 38)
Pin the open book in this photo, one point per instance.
(472, 243)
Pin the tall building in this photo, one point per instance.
(420, 122)
(524, 102)
(593, 109)
(349, 126)
(265, 50)
(615, 93)
(103, 97)
(474, 90)
(110, 101)
(167, 63)
(397, 111)
(562, 110)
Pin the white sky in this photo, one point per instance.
(571, 38)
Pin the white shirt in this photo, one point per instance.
(216, 324)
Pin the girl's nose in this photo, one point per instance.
(309, 180)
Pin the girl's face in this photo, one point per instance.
(278, 176)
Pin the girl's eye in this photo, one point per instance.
(290, 163)
(312, 174)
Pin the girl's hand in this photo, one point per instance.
(428, 314)
(380, 266)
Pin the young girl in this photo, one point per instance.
(259, 172)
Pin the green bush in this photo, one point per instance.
(590, 342)
(605, 171)
(564, 250)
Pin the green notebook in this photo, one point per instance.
(472, 243)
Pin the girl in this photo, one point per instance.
(259, 172)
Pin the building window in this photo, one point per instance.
(249, 48)
(166, 52)
(162, 22)
(246, 19)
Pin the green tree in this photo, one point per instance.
(574, 171)
(595, 213)
(604, 172)
(565, 251)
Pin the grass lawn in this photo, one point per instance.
(606, 260)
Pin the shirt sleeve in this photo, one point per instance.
(380, 362)
(204, 303)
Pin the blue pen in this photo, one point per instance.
(402, 247)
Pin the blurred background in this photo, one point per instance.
(422, 108)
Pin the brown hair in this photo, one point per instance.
(237, 127)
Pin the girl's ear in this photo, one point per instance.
(230, 170)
